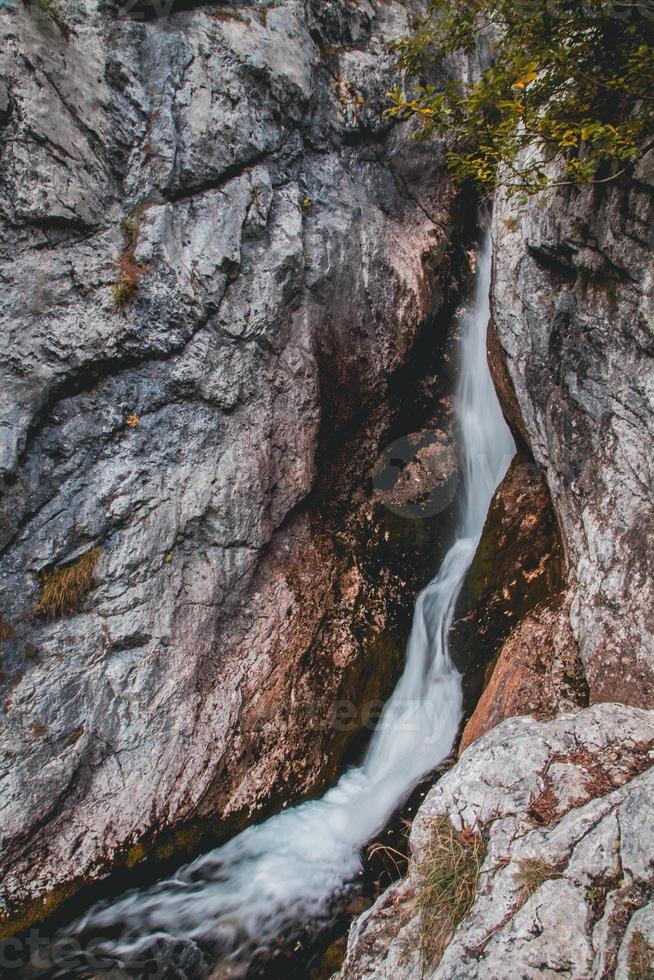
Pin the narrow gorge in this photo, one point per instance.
(308, 501)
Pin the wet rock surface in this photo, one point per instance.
(217, 257)
(538, 672)
(572, 794)
(517, 566)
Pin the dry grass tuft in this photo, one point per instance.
(6, 630)
(447, 877)
(392, 861)
(126, 289)
(532, 873)
(123, 293)
(64, 587)
(640, 959)
(228, 13)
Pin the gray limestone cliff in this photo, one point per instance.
(573, 304)
(565, 886)
(218, 258)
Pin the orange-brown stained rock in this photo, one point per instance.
(518, 565)
(538, 673)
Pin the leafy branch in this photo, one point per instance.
(571, 81)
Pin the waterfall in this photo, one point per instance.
(245, 894)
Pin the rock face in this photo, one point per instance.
(567, 800)
(217, 256)
(513, 625)
(567, 882)
(517, 566)
(538, 672)
(574, 313)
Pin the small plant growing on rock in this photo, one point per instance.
(130, 229)
(52, 10)
(32, 653)
(64, 586)
(532, 873)
(228, 13)
(640, 958)
(327, 51)
(448, 874)
(126, 289)
(6, 630)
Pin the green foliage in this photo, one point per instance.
(124, 292)
(571, 80)
(227, 13)
(130, 229)
(126, 289)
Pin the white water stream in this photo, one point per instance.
(252, 890)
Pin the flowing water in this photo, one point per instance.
(241, 897)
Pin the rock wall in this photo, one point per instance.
(217, 258)
(573, 306)
(518, 566)
(567, 880)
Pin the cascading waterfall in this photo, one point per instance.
(244, 895)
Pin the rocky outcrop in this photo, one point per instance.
(538, 672)
(565, 888)
(573, 317)
(217, 256)
(513, 635)
(518, 565)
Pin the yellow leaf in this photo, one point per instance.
(529, 77)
